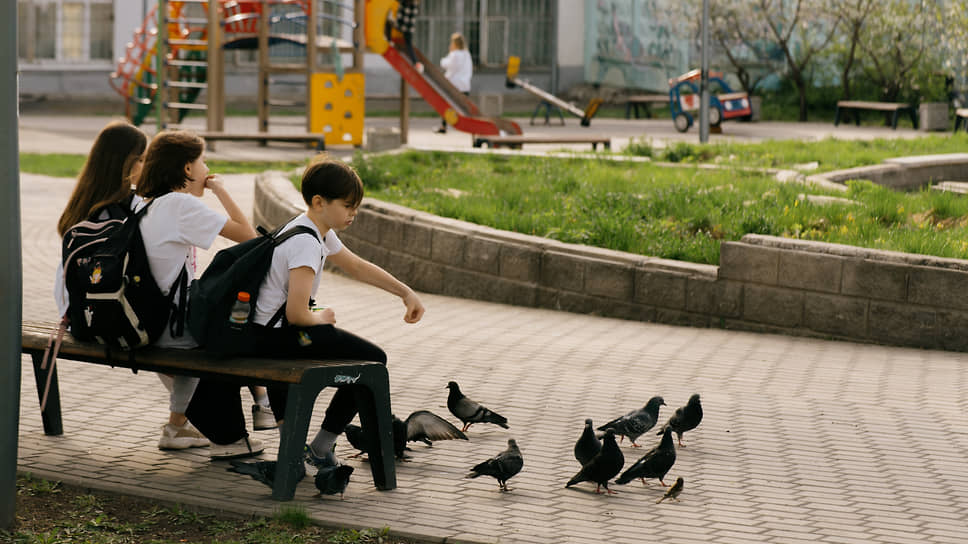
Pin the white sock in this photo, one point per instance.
(323, 442)
(260, 397)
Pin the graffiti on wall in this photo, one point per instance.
(634, 43)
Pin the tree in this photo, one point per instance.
(852, 15)
(894, 41)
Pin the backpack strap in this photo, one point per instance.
(177, 312)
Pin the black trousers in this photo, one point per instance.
(216, 406)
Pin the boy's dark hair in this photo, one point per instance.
(331, 179)
(165, 160)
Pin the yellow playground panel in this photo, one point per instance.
(336, 107)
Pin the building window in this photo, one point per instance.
(65, 31)
(494, 30)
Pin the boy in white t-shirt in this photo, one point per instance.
(332, 191)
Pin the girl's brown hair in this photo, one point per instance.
(104, 178)
(331, 179)
(164, 169)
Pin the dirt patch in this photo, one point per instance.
(53, 512)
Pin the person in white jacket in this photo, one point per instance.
(458, 68)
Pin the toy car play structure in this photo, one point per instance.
(684, 98)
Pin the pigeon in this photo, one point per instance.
(603, 466)
(425, 426)
(469, 411)
(587, 445)
(502, 466)
(422, 425)
(673, 492)
(685, 419)
(333, 479)
(654, 464)
(636, 422)
(261, 471)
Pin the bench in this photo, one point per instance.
(895, 107)
(646, 101)
(961, 116)
(305, 379)
(318, 140)
(515, 142)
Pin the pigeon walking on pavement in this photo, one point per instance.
(422, 425)
(333, 479)
(637, 422)
(603, 467)
(587, 445)
(654, 464)
(469, 411)
(673, 492)
(685, 419)
(501, 467)
(260, 471)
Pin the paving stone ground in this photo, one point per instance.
(803, 440)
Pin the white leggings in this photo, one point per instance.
(180, 391)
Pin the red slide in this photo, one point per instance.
(450, 103)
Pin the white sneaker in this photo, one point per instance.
(263, 418)
(187, 436)
(246, 447)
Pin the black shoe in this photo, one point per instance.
(441, 130)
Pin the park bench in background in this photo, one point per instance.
(894, 107)
(646, 101)
(515, 142)
(318, 140)
(305, 379)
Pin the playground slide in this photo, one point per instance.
(451, 104)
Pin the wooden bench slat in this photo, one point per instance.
(881, 106)
(183, 361)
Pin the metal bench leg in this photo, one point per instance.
(299, 409)
(837, 116)
(628, 110)
(373, 402)
(51, 416)
(914, 118)
(894, 120)
(856, 116)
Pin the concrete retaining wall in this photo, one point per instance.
(906, 173)
(763, 283)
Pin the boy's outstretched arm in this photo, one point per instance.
(367, 272)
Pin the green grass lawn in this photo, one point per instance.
(681, 213)
(830, 154)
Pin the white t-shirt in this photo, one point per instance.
(300, 250)
(458, 68)
(175, 224)
(61, 298)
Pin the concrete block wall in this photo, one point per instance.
(763, 283)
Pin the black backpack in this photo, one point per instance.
(113, 298)
(242, 267)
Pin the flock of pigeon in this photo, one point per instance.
(600, 457)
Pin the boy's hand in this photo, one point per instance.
(415, 308)
(326, 316)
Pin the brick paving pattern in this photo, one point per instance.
(803, 440)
